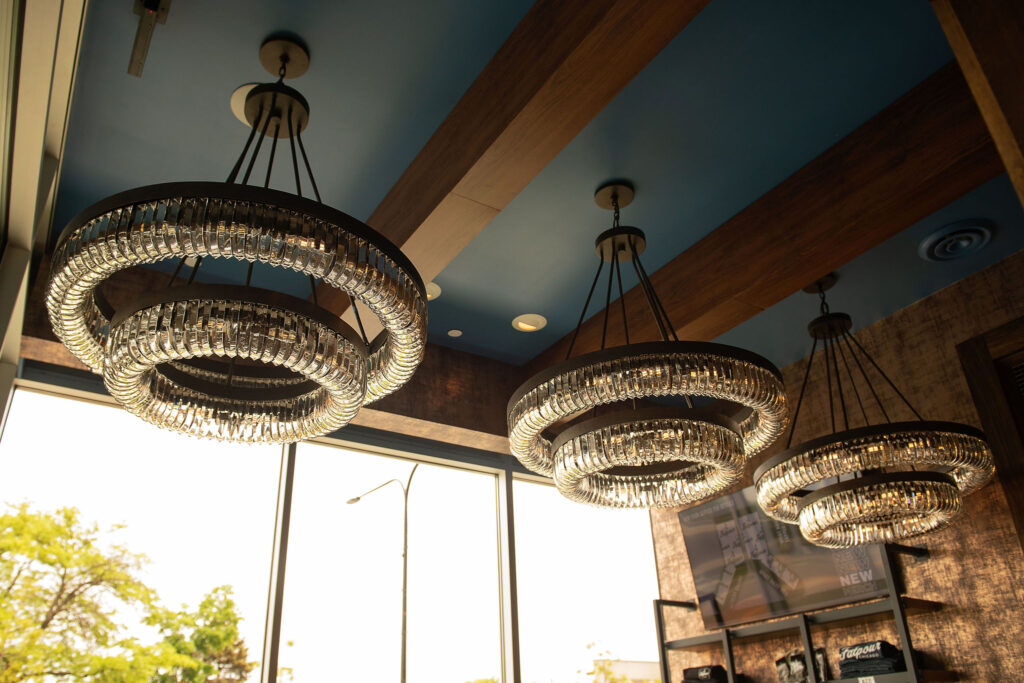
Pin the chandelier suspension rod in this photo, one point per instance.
(867, 380)
(828, 380)
(195, 269)
(622, 299)
(645, 286)
(309, 171)
(359, 321)
(608, 297)
(853, 383)
(886, 378)
(295, 160)
(586, 305)
(273, 151)
(803, 389)
(241, 157)
(259, 142)
(174, 275)
(839, 385)
(657, 299)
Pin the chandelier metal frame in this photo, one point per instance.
(238, 362)
(893, 481)
(633, 452)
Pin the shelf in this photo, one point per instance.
(919, 606)
(901, 677)
(771, 628)
(695, 642)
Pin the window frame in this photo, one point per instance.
(84, 386)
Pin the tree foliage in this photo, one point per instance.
(63, 593)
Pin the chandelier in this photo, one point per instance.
(893, 480)
(239, 362)
(618, 427)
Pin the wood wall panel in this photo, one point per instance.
(976, 566)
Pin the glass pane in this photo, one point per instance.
(202, 513)
(586, 581)
(343, 587)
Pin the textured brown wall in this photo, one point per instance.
(976, 567)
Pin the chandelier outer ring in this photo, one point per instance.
(130, 366)
(642, 349)
(79, 322)
(908, 518)
(527, 422)
(245, 193)
(782, 504)
(668, 480)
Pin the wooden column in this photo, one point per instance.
(987, 37)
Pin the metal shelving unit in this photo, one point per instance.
(894, 604)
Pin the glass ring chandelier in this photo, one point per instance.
(598, 424)
(238, 362)
(893, 481)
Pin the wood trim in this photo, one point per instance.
(917, 155)
(1002, 427)
(562, 64)
(986, 37)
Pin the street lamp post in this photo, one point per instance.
(405, 548)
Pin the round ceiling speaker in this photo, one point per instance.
(956, 240)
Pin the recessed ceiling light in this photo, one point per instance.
(454, 333)
(529, 322)
(433, 290)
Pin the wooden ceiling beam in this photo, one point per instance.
(561, 65)
(917, 155)
(986, 37)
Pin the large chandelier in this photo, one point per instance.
(892, 480)
(618, 428)
(237, 362)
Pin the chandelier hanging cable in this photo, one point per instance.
(594, 422)
(893, 481)
(238, 362)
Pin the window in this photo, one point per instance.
(586, 581)
(343, 584)
(204, 513)
(201, 511)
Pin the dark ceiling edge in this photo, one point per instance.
(917, 155)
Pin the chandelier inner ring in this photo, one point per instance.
(649, 457)
(225, 220)
(245, 324)
(879, 508)
(641, 371)
(958, 450)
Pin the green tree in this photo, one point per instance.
(209, 636)
(61, 592)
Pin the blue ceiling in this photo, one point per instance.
(748, 93)
(383, 76)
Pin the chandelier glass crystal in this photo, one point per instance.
(617, 427)
(892, 481)
(237, 362)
